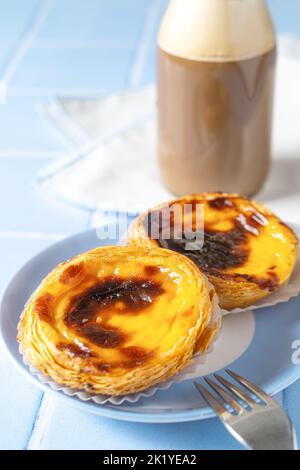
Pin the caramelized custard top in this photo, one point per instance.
(233, 233)
(90, 312)
(120, 310)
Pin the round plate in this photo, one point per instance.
(257, 345)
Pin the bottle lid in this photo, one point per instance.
(217, 30)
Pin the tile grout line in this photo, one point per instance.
(144, 44)
(285, 400)
(41, 422)
(26, 40)
(34, 420)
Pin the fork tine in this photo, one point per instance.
(210, 399)
(249, 385)
(223, 394)
(236, 390)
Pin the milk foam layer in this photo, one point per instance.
(217, 30)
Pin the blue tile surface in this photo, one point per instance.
(19, 399)
(27, 208)
(14, 18)
(94, 20)
(292, 404)
(286, 15)
(80, 47)
(24, 127)
(15, 252)
(149, 72)
(78, 430)
(74, 69)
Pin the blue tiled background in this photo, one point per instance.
(72, 47)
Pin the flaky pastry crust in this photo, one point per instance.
(117, 320)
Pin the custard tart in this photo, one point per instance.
(118, 319)
(245, 250)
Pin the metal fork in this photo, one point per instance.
(254, 419)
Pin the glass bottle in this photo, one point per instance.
(216, 64)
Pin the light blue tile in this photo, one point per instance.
(24, 127)
(160, 14)
(97, 20)
(14, 20)
(78, 70)
(19, 399)
(26, 208)
(15, 253)
(19, 402)
(286, 15)
(149, 67)
(149, 72)
(292, 404)
(73, 429)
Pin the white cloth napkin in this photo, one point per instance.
(114, 164)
